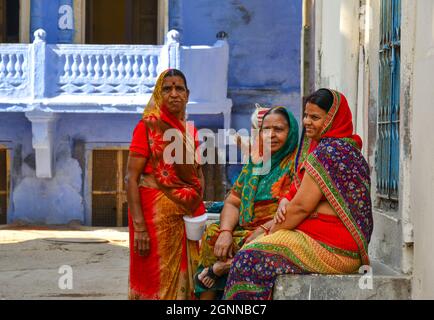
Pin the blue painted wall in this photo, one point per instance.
(45, 14)
(62, 198)
(264, 40)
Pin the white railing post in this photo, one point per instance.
(170, 55)
(37, 65)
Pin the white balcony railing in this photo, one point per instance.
(109, 78)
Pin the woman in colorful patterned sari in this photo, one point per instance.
(160, 194)
(324, 224)
(249, 208)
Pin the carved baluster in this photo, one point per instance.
(128, 67)
(2, 66)
(74, 67)
(136, 74)
(112, 68)
(24, 66)
(156, 66)
(105, 67)
(82, 67)
(66, 67)
(10, 67)
(17, 66)
(89, 67)
(97, 67)
(143, 68)
(121, 68)
(151, 67)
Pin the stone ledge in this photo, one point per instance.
(386, 285)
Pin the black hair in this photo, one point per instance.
(278, 110)
(176, 73)
(323, 98)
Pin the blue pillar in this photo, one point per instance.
(175, 15)
(65, 22)
(37, 16)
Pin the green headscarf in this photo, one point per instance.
(254, 187)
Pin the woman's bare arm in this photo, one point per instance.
(301, 206)
(135, 168)
(228, 221)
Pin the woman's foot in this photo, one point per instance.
(209, 276)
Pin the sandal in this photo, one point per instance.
(210, 273)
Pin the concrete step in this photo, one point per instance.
(379, 283)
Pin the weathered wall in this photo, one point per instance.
(337, 47)
(422, 172)
(264, 44)
(347, 59)
(65, 197)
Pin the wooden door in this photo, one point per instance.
(9, 21)
(109, 200)
(121, 21)
(145, 22)
(2, 21)
(4, 185)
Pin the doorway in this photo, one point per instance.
(122, 21)
(4, 185)
(109, 197)
(9, 21)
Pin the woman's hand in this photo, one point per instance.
(141, 243)
(279, 217)
(258, 231)
(223, 246)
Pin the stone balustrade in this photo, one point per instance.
(109, 78)
(44, 80)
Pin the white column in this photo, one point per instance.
(43, 127)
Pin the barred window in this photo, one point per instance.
(387, 157)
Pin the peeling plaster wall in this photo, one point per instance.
(63, 198)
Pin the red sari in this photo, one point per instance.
(167, 272)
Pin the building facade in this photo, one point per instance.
(383, 63)
(76, 74)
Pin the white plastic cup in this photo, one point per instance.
(195, 226)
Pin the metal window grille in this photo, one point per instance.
(387, 160)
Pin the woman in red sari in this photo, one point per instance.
(324, 224)
(160, 193)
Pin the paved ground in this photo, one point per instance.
(31, 260)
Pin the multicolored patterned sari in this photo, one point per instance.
(166, 273)
(259, 195)
(315, 246)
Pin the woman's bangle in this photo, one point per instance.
(267, 230)
(227, 230)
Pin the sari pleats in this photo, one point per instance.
(166, 272)
(256, 267)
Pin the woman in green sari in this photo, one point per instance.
(251, 204)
